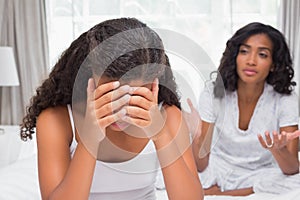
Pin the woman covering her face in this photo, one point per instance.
(108, 104)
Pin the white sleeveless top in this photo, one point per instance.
(133, 179)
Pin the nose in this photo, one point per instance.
(251, 60)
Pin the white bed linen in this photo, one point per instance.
(19, 181)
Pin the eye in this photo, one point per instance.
(263, 55)
(243, 51)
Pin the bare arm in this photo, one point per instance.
(215, 190)
(285, 151)
(287, 156)
(202, 135)
(170, 135)
(59, 175)
(180, 174)
(201, 146)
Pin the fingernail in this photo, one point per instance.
(132, 89)
(127, 97)
(267, 133)
(90, 84)
(116, 84)
(123, 112)
(283, 133)
(126, 88)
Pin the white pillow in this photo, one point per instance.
(28, 148)
(12, 148)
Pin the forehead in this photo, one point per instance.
(259, 40)
(132, 83)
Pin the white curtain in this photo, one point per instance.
(289, 24)
(23, 27)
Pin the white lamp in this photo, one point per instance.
(8, 69)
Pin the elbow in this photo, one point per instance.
(201, 168)
(202, 164)
(291, 171)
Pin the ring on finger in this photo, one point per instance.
(270, 145)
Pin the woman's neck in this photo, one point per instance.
(249, 93)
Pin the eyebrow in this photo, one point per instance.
(260, 48)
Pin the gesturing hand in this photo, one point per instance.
(144, 112)
(279, 140)
(193, 120)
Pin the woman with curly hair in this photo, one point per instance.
(109, 116)
(252, 94)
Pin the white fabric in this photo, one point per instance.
(12, 148)
(277, 183)
(20, 181)
(237, 159)
(133, 179)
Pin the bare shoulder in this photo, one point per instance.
(175, 119)
(54, 123)
(173, 114)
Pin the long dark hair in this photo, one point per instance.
(280, 77)
(57, 89)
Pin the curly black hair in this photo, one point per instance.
(280, 77)
(147, 51)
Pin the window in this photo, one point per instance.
(209, 23)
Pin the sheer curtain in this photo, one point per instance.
(289, 24)
(23, 27)
(209, 23)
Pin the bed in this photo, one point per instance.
(19, 178)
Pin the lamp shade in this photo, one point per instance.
(8, 69)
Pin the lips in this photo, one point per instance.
(120, 125)
(249, 72)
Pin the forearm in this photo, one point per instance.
(201, 158)
(201, 146)
(176, 171)
(237, 192)
(287, 162)
(78, 179)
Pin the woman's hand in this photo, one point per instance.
(284, 148)
(103, 108)
(143, 111)
(193, 120)
(279, 140)
(213, 190)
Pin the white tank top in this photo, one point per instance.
(133, 179)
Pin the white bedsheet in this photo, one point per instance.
(295, 195)
(19, 181)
